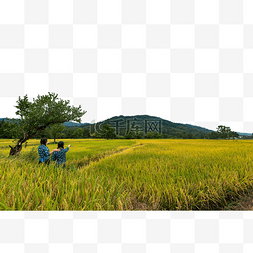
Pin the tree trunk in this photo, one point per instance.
(16, 150)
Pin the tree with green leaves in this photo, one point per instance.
(69, 132)
(165, 136)
(56, 129)
(189, 136)
(234, 134)
(130, 135)
(1, 128)
(223, 131)
(107, 132)
(201, 136)
(140, 135)
(179, 136)
(150, 135)
(228, 132)
(36, 116)
(213, 135)
(78, 133)
(5, 129)
(86, 133)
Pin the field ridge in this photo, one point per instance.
(84, 162)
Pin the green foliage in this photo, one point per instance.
(165, 136)
(107, 132)
(157, 135)
(69, 132)
(189, 136)
(86, 133)
(233, 134)
(129, 135)
(202, 136)
(223, 131)
(78, 133)
(55, 130)
(213, 135)
(8, 129)
(44, 111)
(2, 135)
(150, 135)
(139, 135)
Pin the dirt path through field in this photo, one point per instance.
(96, 158)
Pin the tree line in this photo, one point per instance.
(223, 132)
(59, 131)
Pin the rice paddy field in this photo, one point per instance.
(161, 174)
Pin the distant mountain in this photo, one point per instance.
(74, 124)
(1, 119)
(247, 134)
(145, 123)
(67, 124)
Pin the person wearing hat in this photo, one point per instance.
(44, 151)
(60, 157)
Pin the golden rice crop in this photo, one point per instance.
(128, 175)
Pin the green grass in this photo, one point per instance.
(128, 175)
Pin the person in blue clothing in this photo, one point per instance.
(60, 157)
(44, 151)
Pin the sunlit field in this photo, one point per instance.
(128, 175)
